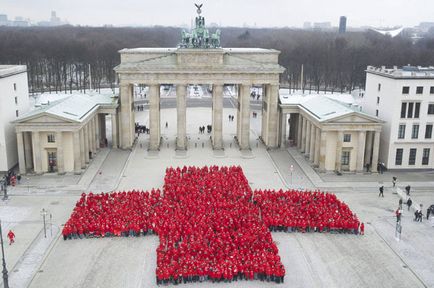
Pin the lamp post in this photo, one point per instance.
(44, 214)
(5, 271)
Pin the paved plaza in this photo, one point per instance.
(377, 259)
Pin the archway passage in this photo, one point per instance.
(211, 225)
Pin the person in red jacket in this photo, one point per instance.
(11, 237)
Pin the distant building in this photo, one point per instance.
(425, 26)
(342, 24)
(4, 20)
(54, 21)
(307, 25)
(403, 98)
(322, 25)
(14, 101)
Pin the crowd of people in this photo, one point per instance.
(210, 223)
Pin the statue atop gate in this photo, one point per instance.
(200, 37)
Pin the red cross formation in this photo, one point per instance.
(210, 223)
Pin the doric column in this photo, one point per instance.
(369, 140)
(283, 129)
(299, 129)
(361, 151)
(82, 149)
(21, 155)
(94, 139)
(60, 156)
(91, 138)
(86, 143)
(323, 150)
(217, 116)
(317, 146)
(37, 162)
(339, 141)
(244, 132)
(98, 131)
(303, 135)
(272, 120)
(102, 126)
(154, 117)
(126, 116)
(181, 138)
(77, 151)
(312, 142)
(28, 150)
(114, 120)
(375, 151)
(307, 142)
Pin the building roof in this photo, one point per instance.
(174, 49)
(73, 108)
(324, 107)
(405, 72)
(9, 70)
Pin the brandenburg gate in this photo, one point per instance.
(199, 59)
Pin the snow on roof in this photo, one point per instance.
(75, 107)
(8, 70)
(321, 105)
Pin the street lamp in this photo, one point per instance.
(5, 271)
(44, 214)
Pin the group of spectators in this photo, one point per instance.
(211, 225)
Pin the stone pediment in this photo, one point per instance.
(355, 117)
(46, 118)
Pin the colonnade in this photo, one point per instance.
(269, 133)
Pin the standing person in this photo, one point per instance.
(394, 181)
(407, 189)
(167, 124)
(400, 203)
(409, 202)
(362, 229)
(398, 215)
(11, 237)
(381, 191)
(428, 211)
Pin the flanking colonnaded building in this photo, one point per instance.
(62, 137)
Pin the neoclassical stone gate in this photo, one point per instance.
(200, 60)
(216, 67)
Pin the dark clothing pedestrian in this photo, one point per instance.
(407, 189)
(381, 191)
(428, 211)
(394, 181)
(400, 203)
(409, 202)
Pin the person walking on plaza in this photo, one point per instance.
(398, 213)
(409, 202)
(407, 189)
(400, 203)
(394, 181)
(11, 237)
(381, 191)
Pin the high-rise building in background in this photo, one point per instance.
(342, 24)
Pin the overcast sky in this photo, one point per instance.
(262, 13)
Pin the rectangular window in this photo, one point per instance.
(428, 131)
(378, 100)
(376, 112)
(16, 100)
(416, 109)
(405, 90)
(415, 131)
(425, 156)
(430, 109)
(410, 110)
(345, 158)
(16, 113)
(379, 87)
(401, 131)
(431, 90)
(347, 137)
(403, 109)
(51, 138)
(412, 157)
(15, 86)
(419, 90)
(398, 157)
